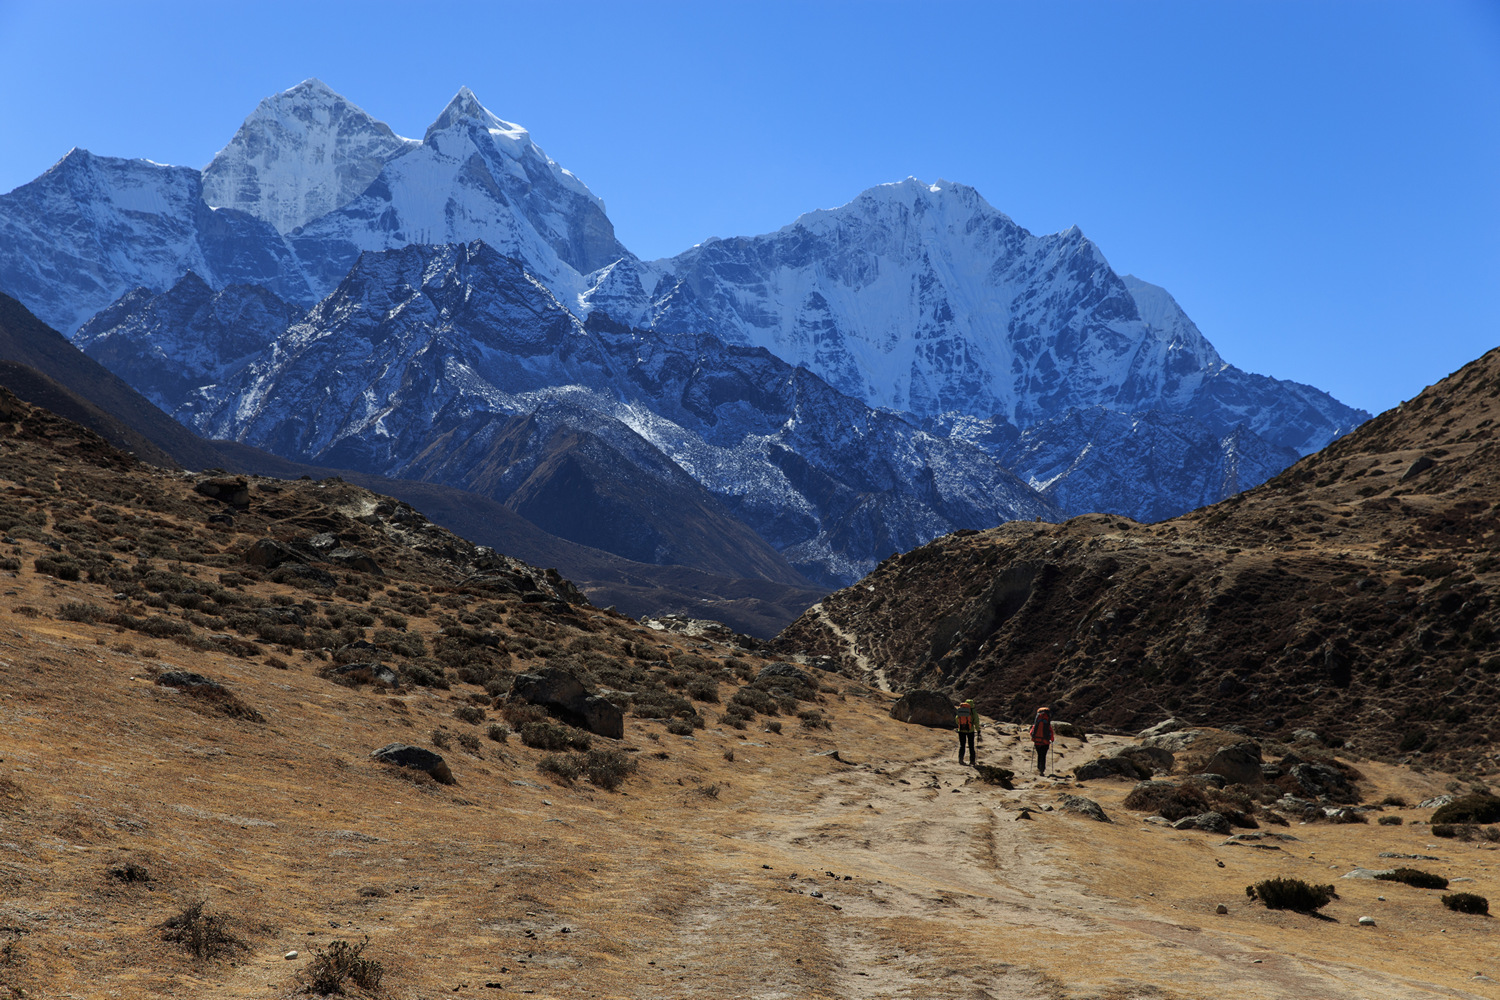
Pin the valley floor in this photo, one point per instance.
(696, 879)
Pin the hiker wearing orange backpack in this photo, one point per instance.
(1041, 737)
(967, 724)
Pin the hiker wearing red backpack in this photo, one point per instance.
(1041, 737)
(967, 724)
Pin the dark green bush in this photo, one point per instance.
(1415, 877)
(471, 714)
(1291, 894)
(342, 962)
(1389, 821)
(679, 727)
(59, 566)
(608, 768)
(1478, 807)
(703, 688)
(549, 735)
(1165, 799)
(565, 765)
(1467, 902)
(205, 935)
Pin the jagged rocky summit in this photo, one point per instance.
(282, 296)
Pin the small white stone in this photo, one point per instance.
(289, 955)
(1367, 921)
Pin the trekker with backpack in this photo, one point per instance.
(1041, 737)
(967, 724)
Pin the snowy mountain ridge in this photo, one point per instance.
(914, 298)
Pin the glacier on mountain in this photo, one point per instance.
(216, 291)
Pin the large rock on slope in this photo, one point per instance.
(925, 708)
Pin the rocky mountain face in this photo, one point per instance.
(925, 299)
(423, 360)
(278, 297)
(1356, 593)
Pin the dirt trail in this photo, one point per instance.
(851, 646)
(949, 892)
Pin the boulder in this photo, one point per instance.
(1069, 730)
(564, 695)
(924, 708)
(416, 758)
(186, 679)
(1324, 782)
(787, 672)
(1162, 728)
(603, 717)
(1212, 822)
(1156, 758)
(233, 490)
(1239, 763)
(1207, 778)
(1111, 767)
(1175, 742)
(357, 560)
(369, 672)
(269, 553)
(1084, 807)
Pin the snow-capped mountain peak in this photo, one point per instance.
(299, 155)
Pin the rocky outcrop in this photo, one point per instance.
(924, 708)
(417, 758)
(564, 696)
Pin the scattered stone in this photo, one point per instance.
(1323, 781)
(417, 758)
(1156, 758)
(1410, 857)
(1221, 909)
(1238, 763)
(1084, 807)
(356, 673)
(290, 955)
(816, 894)
(1416, 468)
(1306, 736)
(1161, 728)
(1367, 873)
(1212, 822)
(1367, 921)
(1157, 820)
(1213, 780)
(924, 708)
(1435, 803)
(1176, 742)
(232, 490)
(564, 695)
(1111, 767)
(269, 553)
(357, 560)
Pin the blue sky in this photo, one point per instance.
(1318, 183)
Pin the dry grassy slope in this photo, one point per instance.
(1347, 594)
(694, 879)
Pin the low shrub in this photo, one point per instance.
(441, 739)
(60, 566)
(205, 935)
(129, 872)
(703, 688)
(1415, 877)
(565, 765)
(679, 727)
(499, 732)
(608, 768)
(773, 727)
(1389, 821)
(1478, 807)
(470, 743)
(549, 735)
(1165, 799)
(471, 714)
(1291, 894)
(340, 963)
(1467, 902)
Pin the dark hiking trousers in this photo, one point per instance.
(1041, 758)
(966, 738)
